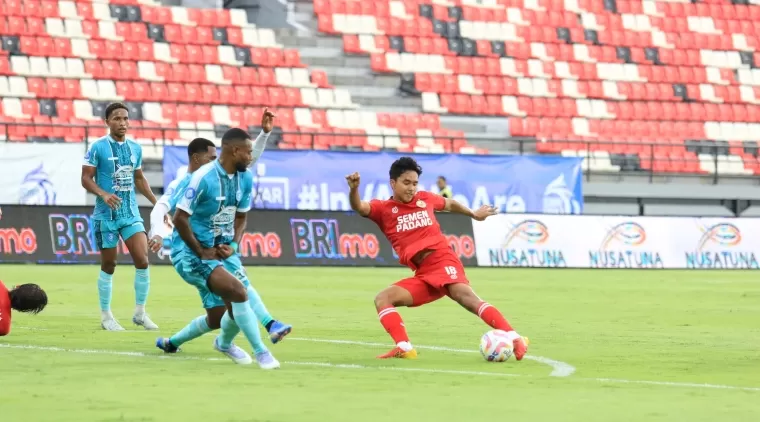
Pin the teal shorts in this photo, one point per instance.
(107, 232)
(196, 271)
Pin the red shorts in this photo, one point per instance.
(438, 270)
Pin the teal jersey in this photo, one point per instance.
(115, 165)
(212, 198)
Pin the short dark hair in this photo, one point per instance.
(442, 178)
(233, 135)
(113, 107)
(402, 165)
(28, 298)
(199, 145)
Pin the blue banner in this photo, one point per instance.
(315, 180)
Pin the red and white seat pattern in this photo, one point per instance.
(620, 71)
(182, 70)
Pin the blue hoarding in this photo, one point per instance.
(315, 180)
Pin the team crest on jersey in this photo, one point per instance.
(421, 204)
(394, 210)
(133, 159)
(190, 193)
(87, 155)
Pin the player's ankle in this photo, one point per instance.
(139, 310)
(404, 345)
(106, 315)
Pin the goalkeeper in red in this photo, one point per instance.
(408, 221)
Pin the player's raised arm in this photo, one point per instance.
(361, 207)
(480, 214)
(260, 144)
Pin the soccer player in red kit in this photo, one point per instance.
(408, 221)
(24, 298)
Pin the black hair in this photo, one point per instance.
(234, 135)
(28, 298)
(402, 165)
(113, 107)
(442, 178)
(199, 145)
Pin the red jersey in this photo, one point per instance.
(5, 311)
(410, 227)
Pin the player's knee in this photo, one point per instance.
(382, 300)
(238, 294)
(108, 266)
(214, 323)
(465, 297)
(141, 263)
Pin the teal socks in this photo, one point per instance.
(193, 330)
(257, 305)
(142, 286)
(105, 290)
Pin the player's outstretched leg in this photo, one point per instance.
(386, 302)
(277, 330)
(196, 328)
(229, 288)
(105, 283)
(137, 243)
(223, 342)
(464, 295)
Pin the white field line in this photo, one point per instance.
(301, 363)
(559, 369)
(349, 366)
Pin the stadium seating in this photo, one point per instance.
(620, 75)
(183, 73)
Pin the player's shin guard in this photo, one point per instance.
(142, 286)
(105, 286)
(257, 305)
(246, 320)
(228, 332)
(393, 324)
(493, 317)
(196, 328)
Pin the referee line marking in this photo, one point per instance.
(364, 367)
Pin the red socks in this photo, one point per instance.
(493, 317)
(393, 324)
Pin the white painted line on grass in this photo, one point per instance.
(300, 363)
(559, 369)
(386, 368)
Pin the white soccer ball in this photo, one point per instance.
(496, 346)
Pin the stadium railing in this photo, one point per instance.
(708, 159)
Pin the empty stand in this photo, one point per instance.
(632, 73)
(183, 73)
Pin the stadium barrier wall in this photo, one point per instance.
(511, 240)
(64, 235)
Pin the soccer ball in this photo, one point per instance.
(496, 346)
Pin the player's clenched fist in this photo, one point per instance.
(267, 120)
(353, 180)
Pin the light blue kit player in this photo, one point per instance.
(112, 171)
(210, 219)
(200, 152)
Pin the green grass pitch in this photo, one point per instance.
(627, 346)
